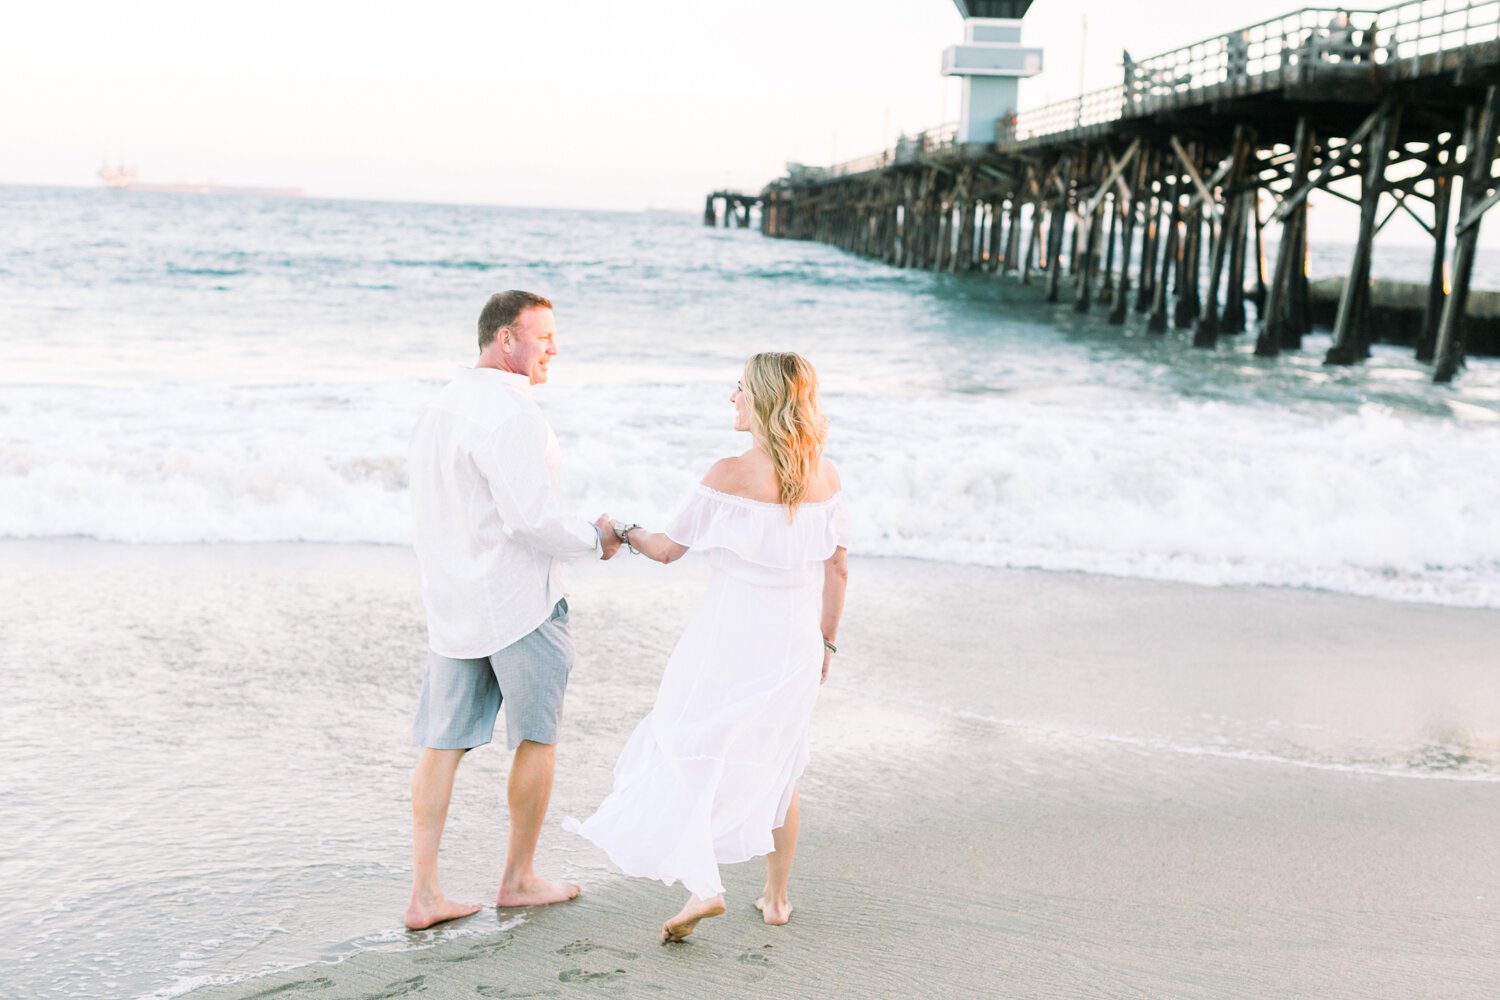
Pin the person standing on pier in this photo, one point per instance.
(490, 537)
(1238, 46)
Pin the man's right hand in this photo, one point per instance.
(609, 542)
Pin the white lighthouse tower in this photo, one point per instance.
(991, 61)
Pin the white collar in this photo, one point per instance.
(511, 380)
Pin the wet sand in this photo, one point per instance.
(1022, 784)
(1314, 887)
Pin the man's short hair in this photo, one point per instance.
(503, 309)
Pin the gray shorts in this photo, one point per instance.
(461, 698)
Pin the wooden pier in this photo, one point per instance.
(736, 212)
(1156, 196)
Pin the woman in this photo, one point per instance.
(709, 776)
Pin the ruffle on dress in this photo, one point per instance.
(757, 531)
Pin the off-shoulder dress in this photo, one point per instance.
(709, 772)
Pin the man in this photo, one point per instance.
(1339, 43)
(1238, 47)
(490, 537)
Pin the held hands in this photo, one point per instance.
(609, 542)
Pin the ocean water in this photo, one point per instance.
(205, 707)
(175, 369)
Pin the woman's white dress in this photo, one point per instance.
(709, 772)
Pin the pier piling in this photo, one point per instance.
(1437, 282)
(1477, 198)
(1055, 228)
(1350, 337)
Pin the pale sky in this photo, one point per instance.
(587, 104)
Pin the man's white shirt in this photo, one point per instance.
(490, 533)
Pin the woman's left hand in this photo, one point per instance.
(827, 661)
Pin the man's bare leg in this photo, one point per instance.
(773, 903)
(529, 792)
(431, 790)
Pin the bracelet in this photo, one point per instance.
(829, 646)
(622, 532)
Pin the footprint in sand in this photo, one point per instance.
(504, 993)
(759, 963)
(301, 986)
(584, 946)
(445, 958)
(449, 956)
(404, 988)
(599, 978)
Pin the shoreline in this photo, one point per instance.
(1022, 783)
(83, 542)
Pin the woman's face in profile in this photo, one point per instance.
(741, 408)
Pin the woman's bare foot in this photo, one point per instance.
(693, 911)
(774, 912)
(535, 891)
(423, 913)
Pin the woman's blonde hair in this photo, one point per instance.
(785, 419)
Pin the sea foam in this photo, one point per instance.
(1367, 502)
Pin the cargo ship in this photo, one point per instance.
(123, 177)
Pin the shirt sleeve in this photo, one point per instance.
(513, 461)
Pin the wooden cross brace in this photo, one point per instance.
(1205, 189)
(1472, 216)
(1292, 199)
(1113, 177)
(1400, 197)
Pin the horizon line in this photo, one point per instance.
(306, 196)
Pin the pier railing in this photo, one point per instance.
(1411, 38)
(1279, 52)
(908, 149)
(1262, 56)
(1275, 52)
(1424, 28)
(1097, 107)
(911, 149)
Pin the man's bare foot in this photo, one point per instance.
(684, 923)
(774, 913)
(535, 891)
(422, 914)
